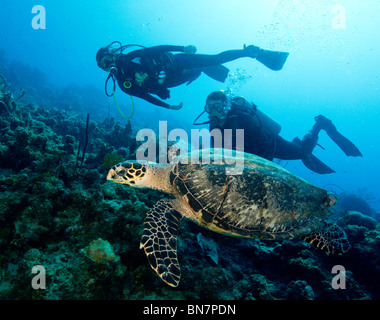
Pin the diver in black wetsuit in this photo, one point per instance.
(261, 133)
(153, 70)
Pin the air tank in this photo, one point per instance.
(269, 125)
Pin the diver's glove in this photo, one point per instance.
(190, 49)
(176, 107)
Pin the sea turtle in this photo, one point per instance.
(264, 201)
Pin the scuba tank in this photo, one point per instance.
(268, 124)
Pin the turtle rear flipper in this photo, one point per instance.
(159, 241)
(330, 239)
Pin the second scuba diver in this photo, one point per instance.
(153, 70)
(261, 133)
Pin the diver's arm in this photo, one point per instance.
(160, 103)
(156, 101)
(140, 93)
(149, 98)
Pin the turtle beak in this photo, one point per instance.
(117, 174)
(330, 201)
(111, 174)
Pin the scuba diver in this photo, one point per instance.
(153, 70)
(261, 132)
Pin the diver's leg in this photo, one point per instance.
(206, 60)
(295, 150)
(307, 145)
(287, 150)
(310, 139)
(274, 60)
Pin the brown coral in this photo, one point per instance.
(100, 251)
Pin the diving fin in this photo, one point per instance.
(342, 142)
(316, 165)
(218, 73)
(346, 145)
(312, 162)
(274, 60)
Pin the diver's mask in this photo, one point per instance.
(215, 107)
(217, 112)
(106, 56)
(107, 63)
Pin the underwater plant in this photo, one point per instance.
(110, 159)
(85, 144)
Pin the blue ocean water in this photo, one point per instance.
(332, 68)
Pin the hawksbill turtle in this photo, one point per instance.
(264, 202)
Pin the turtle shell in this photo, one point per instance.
(265, 201)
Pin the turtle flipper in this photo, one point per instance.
(159, 241)
(330, 239)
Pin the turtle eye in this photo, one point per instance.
(120, 171)
(106, 61)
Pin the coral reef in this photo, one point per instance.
(208, 247)
(55, 214)
(354, 202)
(100, 251)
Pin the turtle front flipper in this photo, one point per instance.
(159, 241)
(330, 239)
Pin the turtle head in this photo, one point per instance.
(330, 201)
(131, 173)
